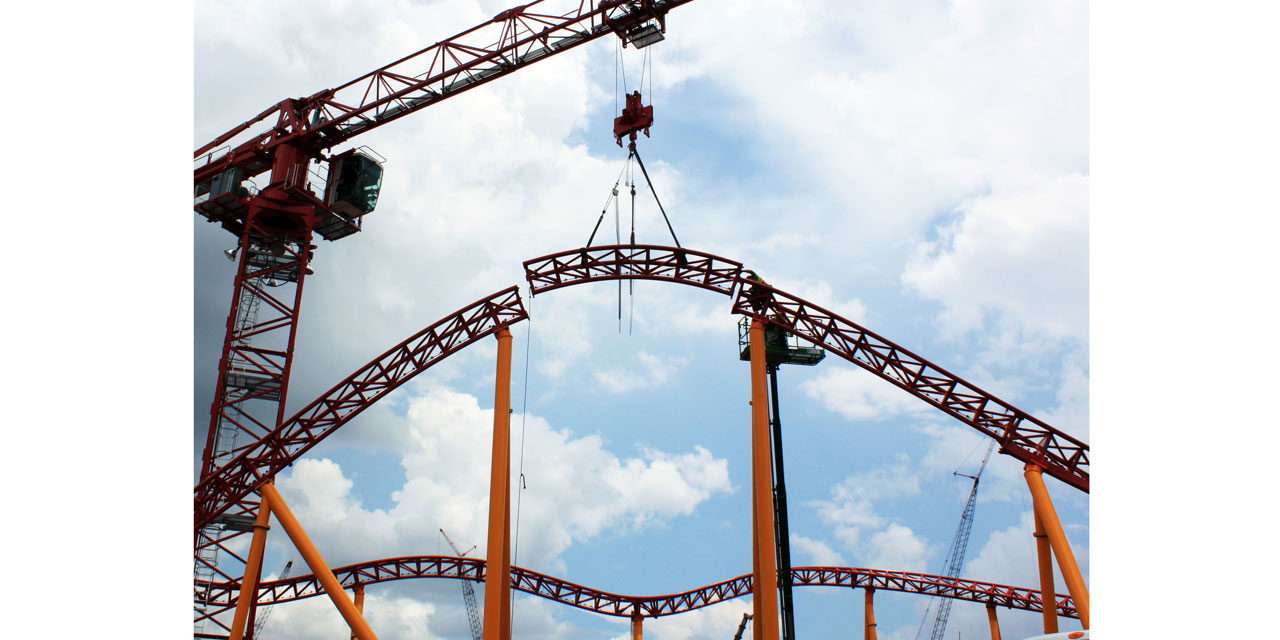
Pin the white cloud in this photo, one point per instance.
(577, 490)
(1023, 254)
(815, 552)
(392, 617)
(859, 395)
(654, 372)
(717, 621)
(871, 539)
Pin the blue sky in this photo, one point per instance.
(919, 166)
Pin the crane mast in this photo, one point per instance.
(309, 191)
(955, 555)
(262, 619)
(468, 594)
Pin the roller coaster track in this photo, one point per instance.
(1030, 440)
(231, 487)
(224, 594)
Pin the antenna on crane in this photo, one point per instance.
(955, 556)
(468, 593)
(262, 619)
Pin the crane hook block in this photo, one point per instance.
(636, 117)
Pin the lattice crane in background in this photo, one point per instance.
(955, 556)
(311, 191)
(262, 619)
(468, 594)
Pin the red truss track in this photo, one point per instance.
(1020, 435)
(632, 262)
(612, 604)
(232, 483)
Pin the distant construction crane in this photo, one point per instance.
(955, 556)
(266, 613)
(742, 626)
(468, 593)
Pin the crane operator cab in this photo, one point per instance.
(351, 192)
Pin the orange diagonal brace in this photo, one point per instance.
(316, 562)
(249, 585)
(1058, 540)
(766, 577)
(497, 577)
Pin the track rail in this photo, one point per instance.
(632, 262)
(224, 594)
(230, 487)
(1020, 434)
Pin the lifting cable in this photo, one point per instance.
(524, 413)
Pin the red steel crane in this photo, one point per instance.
(311, 191)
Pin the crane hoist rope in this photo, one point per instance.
(524, 414)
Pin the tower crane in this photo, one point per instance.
(468, 593)
(955, 556)
(310, 191)
(262, 619)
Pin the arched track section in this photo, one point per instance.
(227, 488)
(1020, 435)
(632, 262)
(603, 602)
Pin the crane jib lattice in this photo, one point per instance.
(613, 604)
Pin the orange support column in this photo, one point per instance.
(497, 577)
(869, 610)
(249, 585)
(991, 620)
(311, 555)
(359, 604)
(765, 580)
(637, 627)
(755, 568)
(1048, 593)
(1058, 541)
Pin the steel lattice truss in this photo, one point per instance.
(1020, 435)
(632, 262)
(612, 604)
(228, 487)
(510, 41)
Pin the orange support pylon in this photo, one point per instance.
(1058, 541)
(359, 591)
(637, 627)
(497, 578)
(993, 621)
(869, 612)
(249, 585)
(316, 562)
(765, 580)
(1048, 593)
